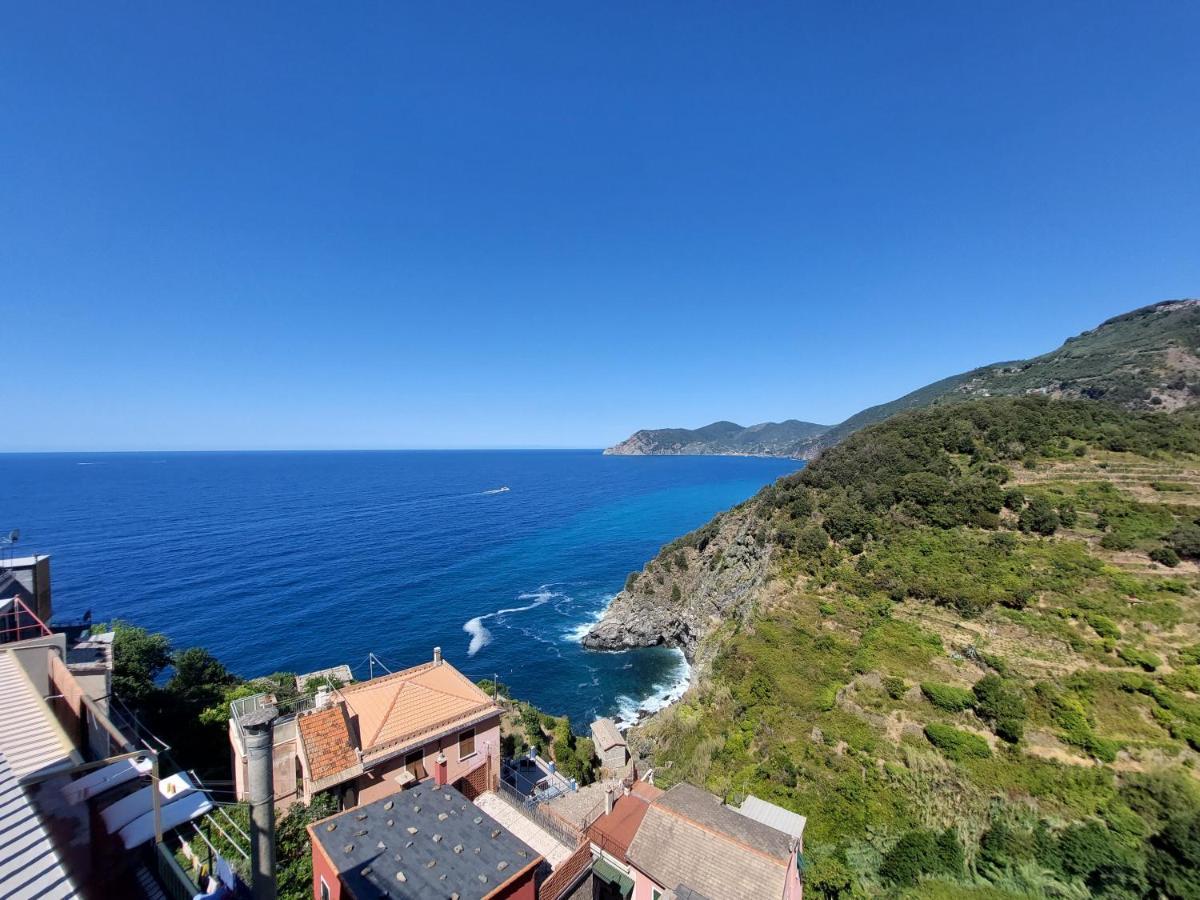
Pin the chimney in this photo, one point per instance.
(608, 800)
(321, 700)
(259, 728)
(437, 656)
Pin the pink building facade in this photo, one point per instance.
(364, 741)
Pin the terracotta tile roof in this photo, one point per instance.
(613, 832)
(327, 742)
(399, 708)
(646, 791)
(688, 837)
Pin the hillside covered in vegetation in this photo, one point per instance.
(965, 643)
(719, 438)
(1145, 359)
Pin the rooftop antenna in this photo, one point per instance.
(7, 542)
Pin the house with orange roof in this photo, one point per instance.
(372, 738)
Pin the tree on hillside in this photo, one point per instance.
(139, 657)
(293, 851)
(199, 678)
(1174, 866)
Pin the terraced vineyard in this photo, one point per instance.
(977, 666)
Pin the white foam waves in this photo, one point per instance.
(577, 632)
(481, 636)
(661, 695)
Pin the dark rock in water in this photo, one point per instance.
(704, 583)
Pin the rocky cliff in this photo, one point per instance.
(695, 584)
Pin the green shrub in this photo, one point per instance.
(1184, 678)
(1069, 713)
(1103, 626)
(1113, 540)
(957, 745)
(1001, 847)
(1185, 540)
(895, 687)
(922, 852)
(1039, 517)
(1165, 556)
(1136, 656)
(947, 697)
(1001, 702)
(1175, 857)
(1014, 500)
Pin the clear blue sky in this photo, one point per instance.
(446, 225)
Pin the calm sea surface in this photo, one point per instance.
(297, 561)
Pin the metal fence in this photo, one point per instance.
(556, 827)
(176, 883)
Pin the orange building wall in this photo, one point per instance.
(380, 781)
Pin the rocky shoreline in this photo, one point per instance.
(682, 596)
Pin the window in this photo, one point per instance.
(655, 894)
(466, 744)
(415, 763)
(324, 889)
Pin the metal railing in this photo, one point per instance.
(556, 827)
(288, 709)
(175, 882)
(20, 623)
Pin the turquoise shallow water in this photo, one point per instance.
(296, 561)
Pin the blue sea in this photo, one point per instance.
(297, 561)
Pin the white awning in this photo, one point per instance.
(105, 779)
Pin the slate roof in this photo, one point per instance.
(423, 842)
(688, 838)
(328, 745)
(398, 709)
(606, 734)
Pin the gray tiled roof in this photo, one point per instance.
(707, 809)
(434, 836)
(606, 734)
(690, 839)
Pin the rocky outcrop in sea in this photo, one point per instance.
(693, 587)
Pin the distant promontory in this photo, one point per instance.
(723, 438)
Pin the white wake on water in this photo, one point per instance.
(481, 637)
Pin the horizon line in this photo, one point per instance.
(472, 449)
